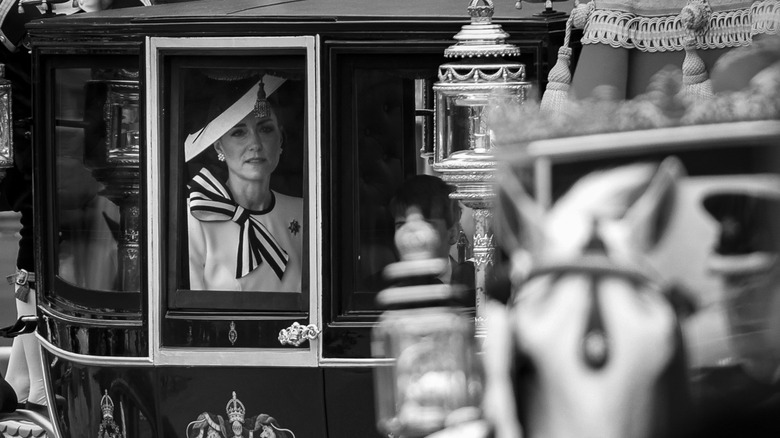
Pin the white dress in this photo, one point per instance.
(214, 245)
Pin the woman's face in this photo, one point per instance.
(252, 147)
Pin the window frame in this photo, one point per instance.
(158, 50)
(347, 329)
(58, 292)
(347, 334)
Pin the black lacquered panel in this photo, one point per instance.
(110, 338)
(219, 332)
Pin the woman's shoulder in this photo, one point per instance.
(288, 201)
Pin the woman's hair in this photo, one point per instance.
(431, 195)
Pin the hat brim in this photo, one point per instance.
(198, 141)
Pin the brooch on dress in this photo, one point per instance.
(294, 227)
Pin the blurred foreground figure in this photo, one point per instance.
(740, 395)
(589, 343)
(596, 348)
(586, 335)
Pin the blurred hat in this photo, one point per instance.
(228, 107)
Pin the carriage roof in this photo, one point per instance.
(429, 12)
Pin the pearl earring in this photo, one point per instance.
(220, 156)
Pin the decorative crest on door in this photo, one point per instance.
(238, 425)
(108, 427)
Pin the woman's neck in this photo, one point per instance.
(252, 195)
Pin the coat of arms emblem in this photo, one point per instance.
(108, 427)
(238, 425)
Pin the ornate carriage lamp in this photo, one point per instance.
(6, 123)
(434, 378)
(463, 151)
(115, 163)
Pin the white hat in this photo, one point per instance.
(198, 141)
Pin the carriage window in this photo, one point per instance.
(379, 168)
(96, 141)
(235, 131)
(395, 179)
(238, 138)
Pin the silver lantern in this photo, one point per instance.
(116, 163)
(478, 77)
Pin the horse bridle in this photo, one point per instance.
(596, 265)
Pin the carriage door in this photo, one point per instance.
(93, 325)
(234, 245)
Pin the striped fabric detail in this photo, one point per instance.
(210, 201)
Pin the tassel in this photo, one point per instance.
(580, 13)
(262, 107)
(558, 81)
(696, 81)
(695, 16)
(556, 95)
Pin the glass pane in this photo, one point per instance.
(96, 146)
(241, 129)
(6, 122)
(383, 137)
(383, 100)
(392, 118)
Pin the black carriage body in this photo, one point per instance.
(135, 350)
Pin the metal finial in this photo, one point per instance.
(481, 14)
(481, 38)
(262, 106)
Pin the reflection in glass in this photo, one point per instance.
(6, 121)
(393, 113)
(466, 124)
(423, 111)
(382, 100)
(97, 178)
(122, 118)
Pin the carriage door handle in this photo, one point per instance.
(297, 334)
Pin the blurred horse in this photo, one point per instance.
(589, 344)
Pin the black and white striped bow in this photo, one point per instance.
(210, 201)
